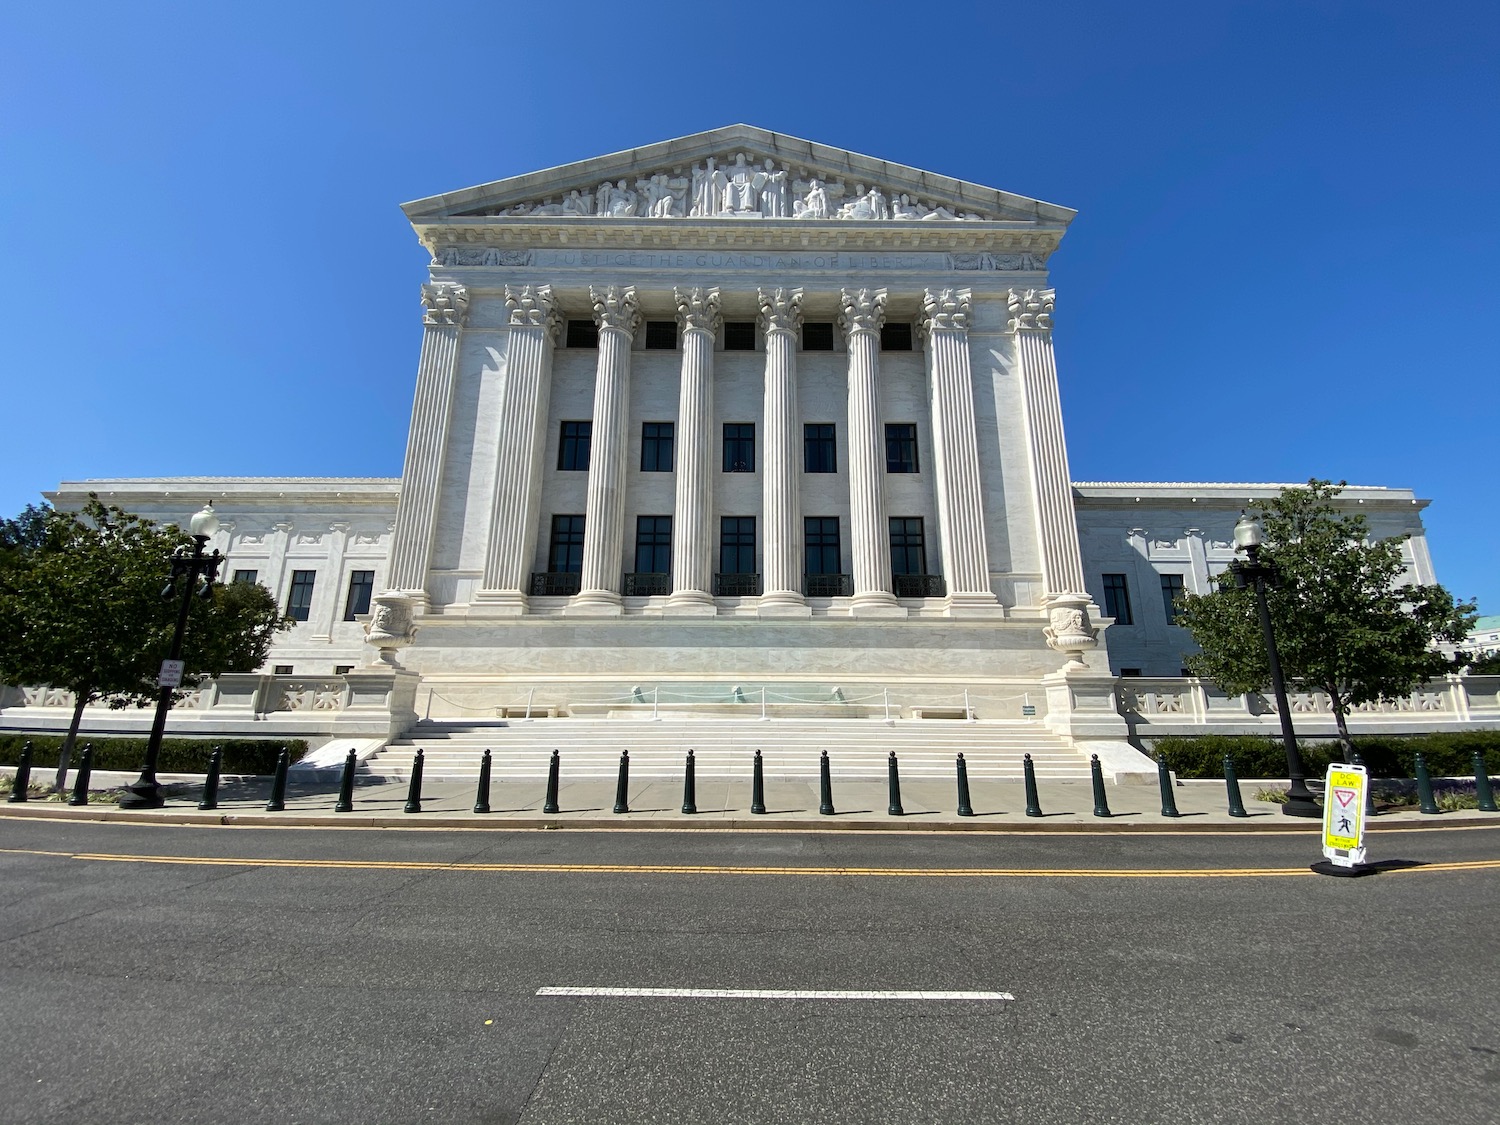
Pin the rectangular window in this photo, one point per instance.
(817, 337)
(565, 553)
(895, 337)
(361, 586)
(908, 545)
(820, 536)
(653, 544)
(583, 334)
(1171, 590)
(246, 576)
(573, 446)
(901, 447)
(661, 335)
(299, 601)
(1117, 599)
(739, 335)
(818, 451)
(656, 447)
(1130, 671)
(739, 447)
(737, 545)
(281, 670)
(342, 669)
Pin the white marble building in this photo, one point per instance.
(734, 413)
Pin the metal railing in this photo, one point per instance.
(552, 584)
(920, 586)
(828, 585)
(645, 584)
(737, 585)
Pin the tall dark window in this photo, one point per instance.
(653, 544)
(901, 447)
(817, 336)
(573, 446)
(246, 576)
(1171, 590)
(361, 586)
(739, 335)
(1117, 599)
(661, 335)
(820, 534)
(737, 545)
(819, 454)
(739, 447)
(895, 337)
(908, 545)
(656, 447)
(565, 554)
(299, 601)
(583, 334)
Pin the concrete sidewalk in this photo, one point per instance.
(722, 803)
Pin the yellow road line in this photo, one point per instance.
(709, 869)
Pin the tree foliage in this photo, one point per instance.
(1345, 621)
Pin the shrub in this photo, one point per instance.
(1448, 754)
(178, 755)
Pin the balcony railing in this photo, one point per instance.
(920, 586)
(737, 585)
(644, 584)
(553, 584)
(829, 585)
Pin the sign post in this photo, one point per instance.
(1344, 791)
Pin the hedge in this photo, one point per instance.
(1449, 754)
(178, 755)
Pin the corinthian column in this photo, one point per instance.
(444, 308)
(945, 322)
(692, 539)
(618, 314)
(1056, 526)
(861, 314)
(780, 317)
(518, 464)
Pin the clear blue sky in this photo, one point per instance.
(1285, 263)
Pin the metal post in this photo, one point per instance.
(1033, 805)
(763, 704)
(964, 807)
(1482, 788)
(23, 776)
(482, 791)
(758, 788)
(277, 803)
(211, 782)
(1101, 802)
(1232, 788)
(550, 804)
(345, 802)
(689, 787)
(886, 694)
(968, 711)
(825, 787)
(622, 784)
(414, 790)
(655, 692)
(1424, 789)
(893, 778)
(1369, 788)
(1164, 779)
(530, 692)
(81, 778)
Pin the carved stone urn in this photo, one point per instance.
(1068, 630)
(390, 627)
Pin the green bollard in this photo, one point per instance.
(964, 808)
(758, 788)
(689, 787)
(1482, 788)
(482, 792)
(346, 783)
(81, 778)
(1101, 802)
(278, 783)
(1232, 784)
(1033, 805)
(414, 790)
(23, 777)
(1164, 779)
(1369, 788)
(893, 781)
(1424, 789)
(211, 782)
(550, 804)
(622, 785)
(825, 787)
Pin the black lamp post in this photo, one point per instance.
(1248, 537)
(199, 570)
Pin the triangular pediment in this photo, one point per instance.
(732, 173)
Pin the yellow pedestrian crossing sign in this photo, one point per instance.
(1344, 792)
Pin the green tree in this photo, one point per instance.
(1345, 623)
(82, 608)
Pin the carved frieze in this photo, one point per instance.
(861, 310)
(616, 307)
(444, 304)
(780, 310)
(482, 256)
(1030, 310)
(946, 310)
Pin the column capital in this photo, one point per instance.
(445, 305)
(1030, 310)
(861, 310)
(780, 310)
(698, 310)
(616, 307)
(532, 306)
(945, 310)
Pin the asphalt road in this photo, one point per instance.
(397, 981)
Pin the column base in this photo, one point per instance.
(499, 603)
(978, 604)
(595, 603)
(783, 603)
(876, 603)
(690, 603)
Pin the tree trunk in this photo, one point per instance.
(1336, 702)
(66, 753)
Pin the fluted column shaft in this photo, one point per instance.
(518, 464)
(618, 315)
(444, 309)
(862, 314)
(692, 539)
(780, 317)
(945, 319)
